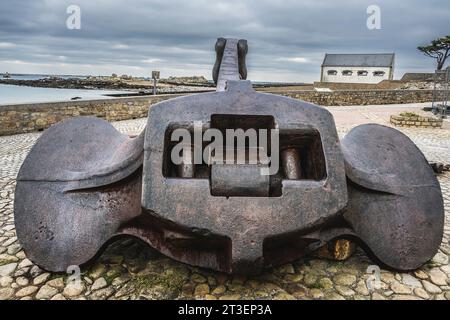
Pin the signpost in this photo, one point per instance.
(155, 76)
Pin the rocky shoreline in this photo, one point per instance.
(134, 86)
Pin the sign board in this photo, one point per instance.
(155, 74)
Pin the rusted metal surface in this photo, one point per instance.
(84, 183)
(395, 201)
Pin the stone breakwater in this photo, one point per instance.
(24, 118)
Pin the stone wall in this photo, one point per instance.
(361, 97)
(383, 85)
(23, 118)
(414, 120)
(39, 116)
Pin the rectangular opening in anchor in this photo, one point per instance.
(301, 155)
(234, 165)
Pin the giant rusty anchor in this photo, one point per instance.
(84, 183)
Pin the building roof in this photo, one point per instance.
(359, 60)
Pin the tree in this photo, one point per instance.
(439, 49)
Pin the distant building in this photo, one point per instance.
(357, 68)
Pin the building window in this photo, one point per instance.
(347, 72)
(378, 73)
(362, 73)
(332, 72)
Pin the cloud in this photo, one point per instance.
(152, 60)
(287, 39)
(120, 46)
(5, 45)
(293, 59)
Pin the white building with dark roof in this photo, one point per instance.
(357, 68)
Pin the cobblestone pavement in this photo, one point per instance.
(129, 269)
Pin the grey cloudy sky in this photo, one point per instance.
(287, 39)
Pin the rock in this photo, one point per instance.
(316, 293)
(6, 281)
(27, 291)
(219, 290)
(377, 296)
(56, 283)
(198, 278)
(446, 269)
(7, 269)
(284, 296)
(20, 255)
(332, 269)
(230, 297)
(6, 258)
(97, 270)
(399, 288)
(293, 277)
(388, 293)
(21, 272)
(421, 274)
(387, 277)
(309, 279)
(333, 296)
(438, 277)
(41, 278)
(447, 295)
(100, 283)
(345, 291)
(22, 281)
(201, 290)
(421, 293)
(361, 288)
(431, 288)
(9, 242)
(114, 272)
(404, 297)
(13, 249)
(326, 283)
(25, 263)
(440, 296)
(102, 294)
(35, 271)
(287, 268)
(124, 291)
(46, 292)
(74, 289)
(6, 293)
(409, 280)
(344, 279)
(121, 280)
(440, 259)
(59, 296)
(210, 297)
(299, 293)
(187, 289)
(88, 280)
